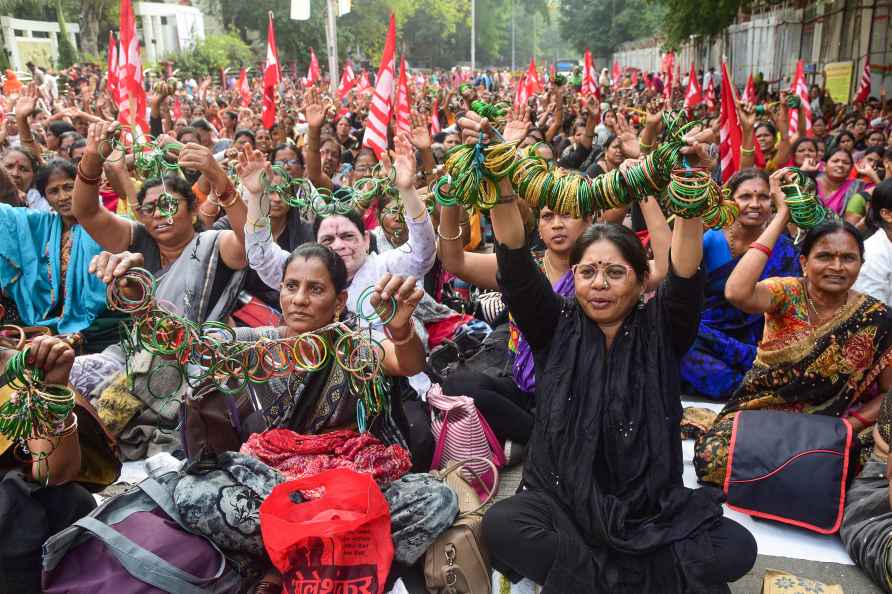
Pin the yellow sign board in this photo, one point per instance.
(39, 51)
(838, 80)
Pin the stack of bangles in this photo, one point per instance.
(209, 353)
(800, 195)
(35, 410)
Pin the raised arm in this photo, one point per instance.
(477, 269)
(24, 109)
(746, 115)
(315, 114)
(660, 241)
(111, 232)
(782, 121)
(403, 350)
(653, 124)
(743, 289)
(265, 256)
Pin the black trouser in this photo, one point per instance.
(56, 508)
(505, 407)
(521, 533)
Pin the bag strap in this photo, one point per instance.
(161, 496)
(441, 443)
(461, 464)
(498, 452)
(145, 565)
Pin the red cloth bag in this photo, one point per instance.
(339, 542)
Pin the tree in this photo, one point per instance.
(602, 25)
(213, 53)
(67, 51)
(689, 17)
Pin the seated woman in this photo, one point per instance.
(38, 497)
(198, 273)
(603, 508)
(726, 341)
(867, 525)
(59, 294)
(825, 345)
(836, 187)
(875, 278)
(507, 402)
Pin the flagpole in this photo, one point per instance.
(331, 42)
(513, 63)
(473, 36)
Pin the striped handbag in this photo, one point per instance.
(461, 433)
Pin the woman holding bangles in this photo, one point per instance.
(603, 508)
(826, 348)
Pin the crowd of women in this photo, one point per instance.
(255, 235)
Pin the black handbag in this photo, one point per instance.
(791, 468)
(490, 355)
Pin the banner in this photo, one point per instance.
(838, 77)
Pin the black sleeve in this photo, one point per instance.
(532, 302)
(679, 302)
(575, 157)
(156, 128)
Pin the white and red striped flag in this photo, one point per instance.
(800, 89)
(314, 75)
(730, 135)
(375, 136)
(363, 83)
(271, 76)
(131, 95)
(244, 90)
(348, 79)
(616, 74)
(403, 110)
(436, 128)
(863, 93)
(112, 84)
(749, 92)
(589, 84)
(694, 96)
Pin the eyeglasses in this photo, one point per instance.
(288, 163)
(148, 209)
(610, 272)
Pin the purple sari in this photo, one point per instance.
(524, 369)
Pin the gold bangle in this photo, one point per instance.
(231, 202)
(440, 235)
(744, 151)
(404, 341)
(644, 145)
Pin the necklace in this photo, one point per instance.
(549, 268)
(819, 319)
(731, 235)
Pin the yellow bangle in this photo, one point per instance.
(744, 151)
(644, 145)
(440, 235)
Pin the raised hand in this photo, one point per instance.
(26, 104)
(775, 181)
(314, 111)
(518, 124)
(251, 167)
(746, 113)
(421, 136)
(406, 293)
(627, 138)
(404, 162)
(654, 111)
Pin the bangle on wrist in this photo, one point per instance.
(644, 145)
(505, 198)
(762, 248)
(90, 181)
(746, 151)
(457, 236)
(864, 421)
(405, 340)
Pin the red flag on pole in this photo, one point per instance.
(589, 84)
(177, 109)
(800, 89)
(534, 85)
(244, 90)
(112, 67)
(403, 111)
(730, 135)
(749, 93)
(271, 76)
(435, 117)
(863, 93)
(521, 94)
(694, 95)
(313, 75)
(131, 95)
(347, 80)
(616, 74)
(710, 93)
(375, 136)
(364, 82)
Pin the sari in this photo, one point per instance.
(726, 341)
(821, 370)
(838, 201)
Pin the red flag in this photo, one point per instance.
(403, 111)
(589, 84)
(634, 77)
(313, 75)
(271, 76)
(730, 135)
(800, 89)
(243, 89)
(864, 85)
(112, 67)
(551, 71)
(669, 61)
(749, 93)
(131, 94)
(347, 80)
(364, 82)
(375, 136)
(616, 73)
(521, 94)
(177, 109)
(534, 85)
(435, 117)
(694, 96)
(710, 93)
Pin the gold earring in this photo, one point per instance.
(338, 316)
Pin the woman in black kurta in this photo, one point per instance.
(603, 508)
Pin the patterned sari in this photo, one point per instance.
(727, 337)
(799, 368)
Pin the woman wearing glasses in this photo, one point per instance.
(603, 507)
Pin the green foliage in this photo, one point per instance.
(687, 17)
(67, 52)
(213, 53)
(602, 25)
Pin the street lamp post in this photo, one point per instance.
(331, 39)
(473, 36)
